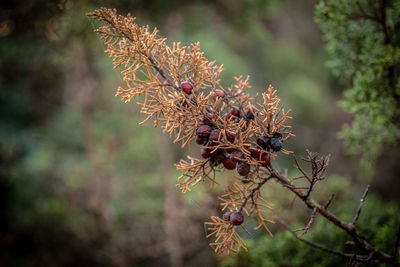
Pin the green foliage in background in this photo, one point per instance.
(363, 42)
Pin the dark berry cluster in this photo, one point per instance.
(236, 218)
(266, 144)
(274, 143)
(209, 135)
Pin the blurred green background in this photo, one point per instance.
(81, 184)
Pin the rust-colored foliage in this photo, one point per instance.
(153, 70)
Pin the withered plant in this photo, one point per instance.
(180, 92)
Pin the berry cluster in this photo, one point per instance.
(235, 218)
(209, 135)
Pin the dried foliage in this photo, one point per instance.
(226, 237)
(180, 90)
(156, 72)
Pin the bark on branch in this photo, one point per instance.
(349, 228)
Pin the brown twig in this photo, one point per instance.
(161, 72)
(329, 201)
(154, 64)
(362, 201)
(347, 227)
(318, 169)
(253, 191)
(309, 224)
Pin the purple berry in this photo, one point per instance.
(203, 131)
(217, 159)
(262, 141)
(236, 155)
(201, 140)
(275, 144)
(265, 159)
(227, 216)
(207, 120)
(243, 168)
(229, 163)
(230, 136)
(214, 135)
(236, 218)
(187, 87)
(205, 152)
(235, 112)
(219, 93)
(255, 153)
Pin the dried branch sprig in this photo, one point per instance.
(152, 69)
(362, 201)
(180, 90)
(319, 166)
(371, 253)
(227, 240)
(194, 171)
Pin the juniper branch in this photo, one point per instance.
(349, 228)
(253, 191)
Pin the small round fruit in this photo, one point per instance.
(230, 136)
(219, 93)
(275, 144)
(203, 131)
(227, 216)
(201, 140)
(217, 159)
(236, 218)
(265, 159)
(187, 87)
(229, 163)
(235, 112)
(214, 135)
(205, 152)
(207, 120)
(262, 141)
(243, 168)
(236, 155)
(255, 153)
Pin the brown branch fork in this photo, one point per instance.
(349, 228)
